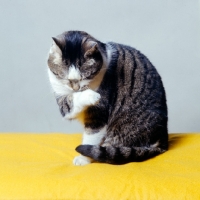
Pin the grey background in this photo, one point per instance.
(168, 32)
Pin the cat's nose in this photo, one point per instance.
(74, 84)
(76, 87)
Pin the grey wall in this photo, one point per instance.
(168, 32)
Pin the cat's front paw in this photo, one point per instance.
(81, 160)
(92, 97)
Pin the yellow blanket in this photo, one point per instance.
(39, 166)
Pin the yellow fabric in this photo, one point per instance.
(39, 166)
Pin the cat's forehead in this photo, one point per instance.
(73, 46)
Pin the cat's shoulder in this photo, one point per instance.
(121, 46)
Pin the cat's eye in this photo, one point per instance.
(58, 74)
(61, 74)
(86, 75)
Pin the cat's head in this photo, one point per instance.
(75, 58)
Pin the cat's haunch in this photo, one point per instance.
(117, 94)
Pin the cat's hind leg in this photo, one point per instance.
(90, 137)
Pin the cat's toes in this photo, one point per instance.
(92, 97)
(81, 160)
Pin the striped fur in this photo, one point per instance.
(118, 155)
(132, 106)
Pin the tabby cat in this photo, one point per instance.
(117, 94)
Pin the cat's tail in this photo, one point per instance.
(119, 155)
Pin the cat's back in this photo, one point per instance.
(129, 58)
(138, 86)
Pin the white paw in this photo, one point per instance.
(91, 97)
(81, 160)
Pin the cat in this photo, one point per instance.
(117, 94)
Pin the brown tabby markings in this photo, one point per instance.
(132, 105)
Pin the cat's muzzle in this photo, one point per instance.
(74, 84)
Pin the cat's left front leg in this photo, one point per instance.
(82, 100)
(91, 137)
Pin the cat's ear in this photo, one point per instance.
(59, 41)
(90, 48)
